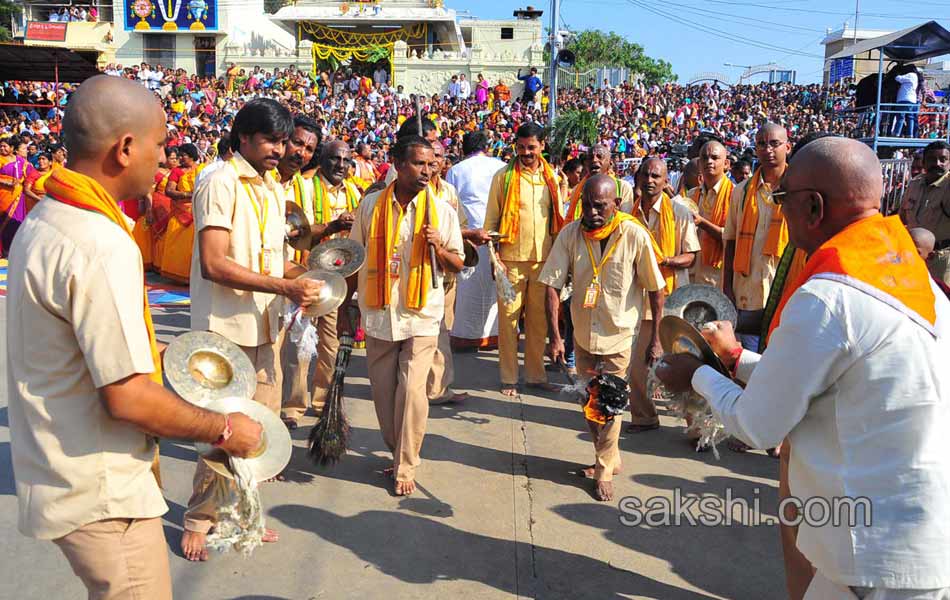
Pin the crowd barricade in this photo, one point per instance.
(895, 173)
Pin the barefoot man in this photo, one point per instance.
(239, 276)
(524, 206)
(401, 308)
(88, 395)
(610, 259)
(855, 377)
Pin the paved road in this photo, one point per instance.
(498, 513)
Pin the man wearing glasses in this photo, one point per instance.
(755, 232)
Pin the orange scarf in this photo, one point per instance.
(574, 210)
(775, 239)
(383, 239)
(711, 248)
(608, 228)
(664, 242)
(509, 225)
(875, 255)
(76, 189)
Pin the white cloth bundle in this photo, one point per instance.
(240, 524)
(506, 292)
(690, 404)
(303, 334)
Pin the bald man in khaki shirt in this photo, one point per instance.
(603, 334)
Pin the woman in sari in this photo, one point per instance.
(180, 233)
(12, 205)
(149, 231)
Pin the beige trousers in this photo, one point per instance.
(203, 506)
(642, 408)
(439, 385)
(606, 437)
(398, 372)
(120, 559)
(299, 396)
(529, 298)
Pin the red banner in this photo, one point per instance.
(46, 32)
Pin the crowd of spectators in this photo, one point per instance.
(634, 120)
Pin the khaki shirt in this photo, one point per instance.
(928, 206)
(534, 238)
(686, 238)
(701, 273)
(75, 324)
(246, 318)
(630, 271)
(395, 322)
(752, 290)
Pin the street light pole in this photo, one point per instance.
(552, 79)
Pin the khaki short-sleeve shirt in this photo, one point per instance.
(630, 271)
(534, 238)
(245, 318)
(928, 206)
(395, 322)
(752, 290)
(75, 323)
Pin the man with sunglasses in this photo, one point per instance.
(854, 378)
(755, 233)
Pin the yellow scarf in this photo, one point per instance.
(574, 210)
(76, 189)
(711, 247)
(509, 225)
(664, 242)
(775, 240)
(383, 239)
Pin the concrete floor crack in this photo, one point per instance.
(528, 485)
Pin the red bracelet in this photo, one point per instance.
(226, 434)
(735, 354)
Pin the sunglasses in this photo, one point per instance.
(779, 196)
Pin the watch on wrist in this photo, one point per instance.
(226, 434)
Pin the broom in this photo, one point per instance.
(330, 436)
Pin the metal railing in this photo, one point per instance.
(898, 124)
(895, 173)
(571, 78)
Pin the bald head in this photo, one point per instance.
(104, 109)
(599, 201)
(652, 178)
(712, 162)
(830, 183)
(335, 161)
(924, 241)
(598, 160)
(691, 173)
(114, 131)
(772, 147)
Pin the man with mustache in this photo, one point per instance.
(926, 203)
(596, 162)
(524, 206)
(239, 276)
(401, 308)
(597, 253)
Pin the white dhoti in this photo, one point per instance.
(476, 304)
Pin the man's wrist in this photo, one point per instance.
(226, 432)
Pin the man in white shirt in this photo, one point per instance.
(476, 310)
(465, 87)
(854, 379)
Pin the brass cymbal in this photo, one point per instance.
(272, 456)
(201, 366)
(342, 256)
(700, 304)
(296, 219)
(678, 337)
(331, 296)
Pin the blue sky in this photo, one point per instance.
(747, 31)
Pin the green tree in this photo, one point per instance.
(9, 10)
(594, 48)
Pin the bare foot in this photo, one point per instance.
(774, 452)
(270, 536)
(509, 391)
(278, 477)
(193, 546)
(588, 472)
(405, 488)
(388, 472)
(604, 491)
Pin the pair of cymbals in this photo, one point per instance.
(296, 220)
(678, 336)
(341, 256)
(332, 294)
(700, 304)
